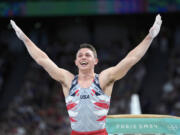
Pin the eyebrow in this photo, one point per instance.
(85, 53)
(80, 53)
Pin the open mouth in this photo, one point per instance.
(84, 63)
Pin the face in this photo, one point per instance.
(85, 59)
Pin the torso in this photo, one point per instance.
(88, 105)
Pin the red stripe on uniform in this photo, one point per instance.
(72, 120)
(102, 118)
(76, 91)
(70, 106)
(102, 101)
(97, 132)
(102, 105)
(93, 91)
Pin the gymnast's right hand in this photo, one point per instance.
(20, 34)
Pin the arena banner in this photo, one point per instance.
(86, 7)
(67, 8)
(143, 124)
(163, 6)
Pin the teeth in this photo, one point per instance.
(83, 62)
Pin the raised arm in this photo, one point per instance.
(117, 72)
(59, 74)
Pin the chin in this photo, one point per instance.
(84, 68)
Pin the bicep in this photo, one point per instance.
(58, 74)
(118, 71)
(121, 69)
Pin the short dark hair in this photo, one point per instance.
(89, 46)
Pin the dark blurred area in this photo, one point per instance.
(31, 103)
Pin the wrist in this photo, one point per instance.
(150, 36)
(23, 37)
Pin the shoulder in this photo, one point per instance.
(106, 74)
(105, 78)
(68, 85)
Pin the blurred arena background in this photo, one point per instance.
(31, 103)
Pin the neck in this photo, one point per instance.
(86, 75)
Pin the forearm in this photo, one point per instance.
(141, 49)
(120, 70)
(59, 74)
(36, 53)
(138, 52)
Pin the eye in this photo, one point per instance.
(80, 55)
(88, 55)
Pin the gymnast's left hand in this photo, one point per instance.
(154, 30)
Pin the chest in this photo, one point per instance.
(85, 83)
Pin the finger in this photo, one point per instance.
(13, 24)
(11, 21)
(158, 20)
(158, 17)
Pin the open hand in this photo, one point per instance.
(18, 31)
(153, 32)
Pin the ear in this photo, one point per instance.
(96, 61)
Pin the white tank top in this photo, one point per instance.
(87, 107)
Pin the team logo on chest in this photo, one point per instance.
(84, 96)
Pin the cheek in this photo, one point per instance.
(93, 62)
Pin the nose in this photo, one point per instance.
(83, 57)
